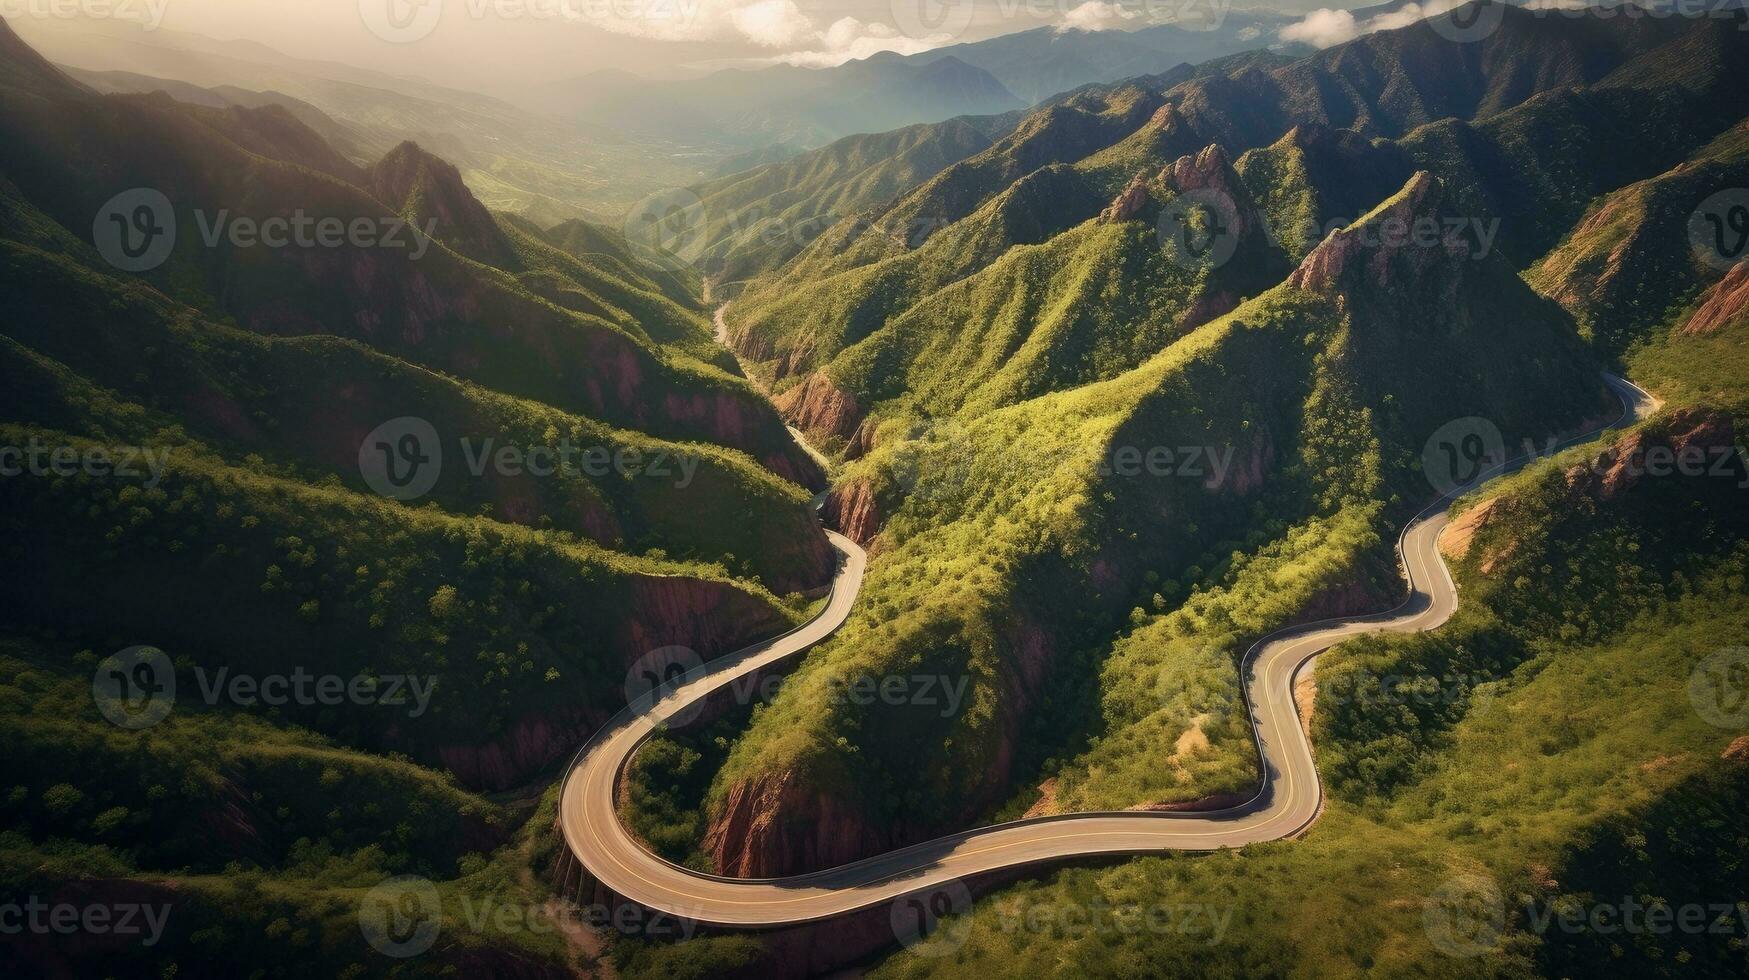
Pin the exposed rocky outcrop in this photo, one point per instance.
(854, 510)
(1210, 169)
(424, 188)
(1246, 260)
(1384, 251)
(531, 744)
(709, 617)
(1357, 595)
(1702, 437)
(1725, 303)
(776, 825)
(1247, 469)
(862, 442)
(1738, 750)
(735, 419)
(777, 822)
(1129, 201)
(1689, 442)
(1460, 535)
(820, 408)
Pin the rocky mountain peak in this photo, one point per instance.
(1209, 168)
(424, 187)
(1405, 241)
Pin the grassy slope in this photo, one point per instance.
(1551, 797)
(444, 311)
(307, 402)
(865, 273)
(1282, 372)
(251, 831)
(261, 551)
(759, 219)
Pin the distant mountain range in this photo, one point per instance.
(594, 146)
(808, 107)
(1018, 303)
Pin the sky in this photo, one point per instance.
(486, 44)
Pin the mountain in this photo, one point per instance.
(512, 158)
(261, 370)
(757, 220)
(261, 541)
(1045, 61)
(1107, 135)
(1644, 275)
(1351, 358)
(780, 105)
(1111, 388)
(359, 146)
(981, 350)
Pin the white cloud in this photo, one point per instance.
(1096, 15)
(1325, 27)
(773, 23)
(849, 39)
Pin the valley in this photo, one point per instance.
(1087, 500)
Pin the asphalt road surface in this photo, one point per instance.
(1286, 804)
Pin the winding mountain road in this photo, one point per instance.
(1286, 804)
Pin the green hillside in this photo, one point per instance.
(757, 220)
(234, 524)
(992, 510)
